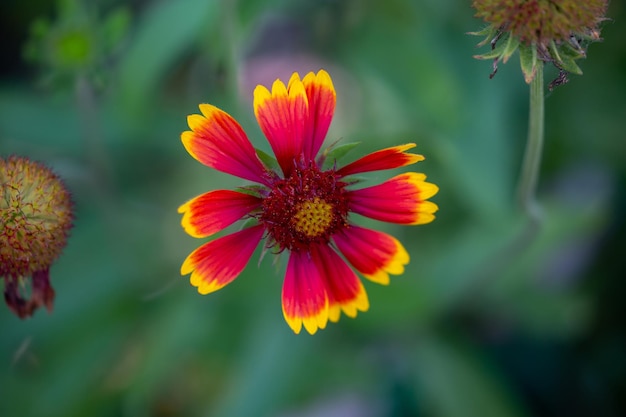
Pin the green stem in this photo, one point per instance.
(230, 43)
(95, 153)
(534, 146)
(527, 188)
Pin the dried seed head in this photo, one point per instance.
(542, 21)
(553, 31)
(35, 219)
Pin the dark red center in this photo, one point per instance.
(307, 207)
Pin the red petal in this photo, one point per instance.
(322, 99)
(344, 288)
(387, 158)
(398, 200)
(283, 117)
(219, 262)
(374, 254)
(305, 301)
(218, 141)
(213, 211)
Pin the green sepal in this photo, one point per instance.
(554, 52)
(502, 51)
(351, 180)
(489, 33)
(335, 152)
(268, 160)
(512, 43)
(569, 55)
(249, 222)
(569, 65)
(254, 190)
(528, 61)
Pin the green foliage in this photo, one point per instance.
(77, 42)
(488, 319)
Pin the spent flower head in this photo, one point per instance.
(35, 219)
(298, 205)
(553, 31)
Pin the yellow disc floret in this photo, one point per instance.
(313, 217)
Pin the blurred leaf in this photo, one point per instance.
(266, 371)
(56, 126)
(160, 346)
(115, 28)
(458, 382)
(165, 32)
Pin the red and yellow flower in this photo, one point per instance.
(299, 207)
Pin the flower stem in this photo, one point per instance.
(230, 43)
(532, 157)
(527, 187)
(95, 152)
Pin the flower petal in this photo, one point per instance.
(304, 297)
(322, 100)
(344, 288)
(218, 141)
(211, 212)
(283, 116)
(400, 199)
(219, 262)
(387, 158)
(374, 254)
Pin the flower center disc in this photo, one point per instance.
(313, 217)
(307, 207)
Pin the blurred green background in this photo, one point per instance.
(477, 326)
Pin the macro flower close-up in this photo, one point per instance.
(301, 203)
(312, 208)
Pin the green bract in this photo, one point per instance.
(556, 32)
